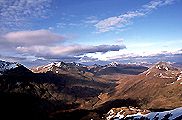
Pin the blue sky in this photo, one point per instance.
(89, 31)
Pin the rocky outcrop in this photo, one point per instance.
(132, 113)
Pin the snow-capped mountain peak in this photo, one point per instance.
(163, 70)
(113, 64)
(4, 66)
(57, 64)
(164, 66)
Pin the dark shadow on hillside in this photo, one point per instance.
(20, 107)
(26, 104)
(17, 106)
(116, 104)
(96, 114)
(64, 83)
(129, 70)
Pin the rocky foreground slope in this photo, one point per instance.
(132, 113)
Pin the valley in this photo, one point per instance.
(62, 91)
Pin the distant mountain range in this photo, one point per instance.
(114, 67)
(62, 90)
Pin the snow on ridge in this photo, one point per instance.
(139, 114)
(147, 73)
(160, 67)
(49, 66)
(62, 64)
(162, 76)
(124, 112)
(179, 77)
(7, 65)
(113, 64)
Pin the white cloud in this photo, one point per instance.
(91, 20)
(48, 45)
(28, 38)
(15, 13)
(107, 24)
(88, 59)
(71, 50)
(152, 5)
(157, 3)
(12, 58)
(167, 56)
(122, 20)
(117, 21)
(11, 41)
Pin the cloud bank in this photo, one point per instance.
(28, 38)
(69, 50)
(13, 40)
(47, 45)
(174, 57)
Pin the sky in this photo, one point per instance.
(36, 32)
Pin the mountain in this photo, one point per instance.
(114, 67)
(4, 66)
(157, 88)
(71, 69)
(48, 91)
(97, 70)
(65, 90)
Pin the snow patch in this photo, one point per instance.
(147, 73)
(49, 65)
(113, 64)
(162, 76)
(158, 67)
(172, 83)
(179, 77)
(111, 114)
(137, 115)
(119, 115)
(170, 115)
(7, 66)
(166, 68)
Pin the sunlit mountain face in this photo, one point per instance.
(91, 59)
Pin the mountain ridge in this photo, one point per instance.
(93, 69)
(74, 89)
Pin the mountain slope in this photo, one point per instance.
(158, 87)
(54, 92)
